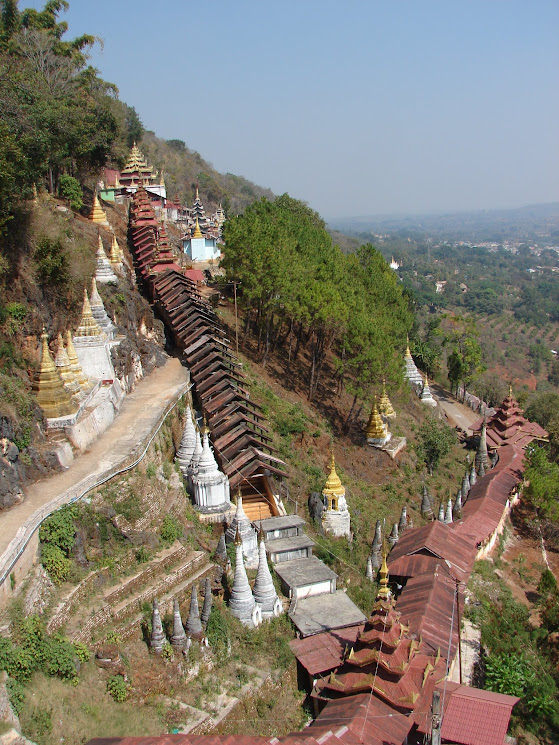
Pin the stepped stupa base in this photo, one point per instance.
(395, 445)
(379, 442)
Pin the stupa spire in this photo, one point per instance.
(64, 367)
(482, 458)
(188, 442)
(385, 405)
(384, 591)
(178, 640)
(264, 591)
(194, 625)
(197, 232)
(97, 214)
(98, 311)
(426, 506)
(104, 272)
(207, 607)
(333, 484)
(88, 325)
(241, 603)
(83, 380)
(376, 429)
(157, 635)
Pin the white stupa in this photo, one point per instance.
(210, 486)
(104, 272)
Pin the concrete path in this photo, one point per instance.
(139, 415)
(459, 415)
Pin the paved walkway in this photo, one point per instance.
(139, 416)
(458, 414)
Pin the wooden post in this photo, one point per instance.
(236, 318)
(459, 633)
(436, 719)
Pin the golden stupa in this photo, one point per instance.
(385, 405)
(64, 367)
(384, 591)
(197, 232)
(333, 485)
(376, 429)
(80, 376)
(116, 254)
(88, 325)
(52, 397)
(97, 214)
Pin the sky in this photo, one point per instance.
(359, 107)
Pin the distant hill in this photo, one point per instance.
(533, 222)
(184, 169)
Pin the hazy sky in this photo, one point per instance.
(357, 107)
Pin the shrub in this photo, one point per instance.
(547, 584)
(170, 529)
(52, 261)
(16, 693)
(71, 190)
(55, 563)
(58, 529)
(117, 688)
(82, 651)
(151, 470)
(217, 631)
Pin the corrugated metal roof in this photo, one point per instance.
(476, 717)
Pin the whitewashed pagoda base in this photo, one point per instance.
(379, 442)
(222, 514)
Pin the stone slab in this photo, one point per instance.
(325, 612)
(301, 572)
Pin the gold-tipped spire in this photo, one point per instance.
(205, 430)
(333, 484)
(375, 429)
(88, 325)
(238, 495)
(384, 591)
(238, 540)
(408, 352)
(510, 390)
(52, 397)
(197, 232)
(97, 214)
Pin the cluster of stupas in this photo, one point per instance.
(242, 529)
(375, 557)
(106, 266)
(253, 605)
(200, 238)
(208, 486)
(419, 383)
(335, 515)
(62, 386)
(182, 635)
(376, 430)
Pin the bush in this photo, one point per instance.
(81, 651)
(117, 688)
(71, 190)
(16, 693)
(52, 262)
(58, 529)
(217, 631)
(55, 563)
(170, 529)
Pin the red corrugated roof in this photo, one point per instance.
(323, 652)
(476, 717)
(196, 275)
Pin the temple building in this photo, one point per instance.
(508, 426)
(199, 245)
(335, 516)
(117, 186)
(386, 661)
